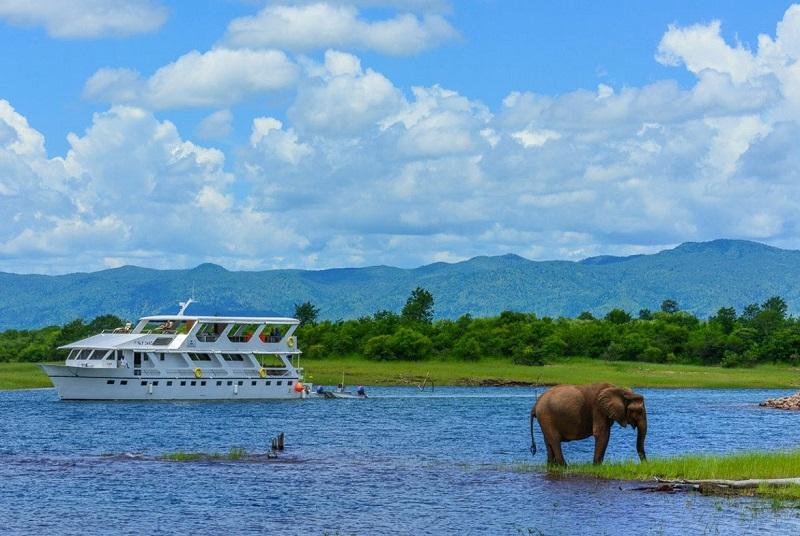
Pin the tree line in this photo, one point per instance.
(761, 333)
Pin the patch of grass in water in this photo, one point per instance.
(234, 454)
(741, 466)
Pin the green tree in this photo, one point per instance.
(419, 306)
(725, 319)
(669, 306)
(645, 314)
(586, 315)
(618, 316)
(306, 313)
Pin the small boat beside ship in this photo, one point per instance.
(185, 357)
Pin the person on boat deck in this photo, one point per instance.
(320, 389)
(361, 391)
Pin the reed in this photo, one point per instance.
(234, 454)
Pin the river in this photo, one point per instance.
(400, 462)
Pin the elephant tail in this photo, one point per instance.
(533, 441)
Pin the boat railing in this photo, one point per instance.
(272, 372)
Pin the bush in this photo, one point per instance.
(525, 355)
(379, 348)
(315, 351)
(467, 349)
(732, 359)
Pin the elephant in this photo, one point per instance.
(570, 412)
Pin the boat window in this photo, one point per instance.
(144, 382)
(230, 382)
(183, 384)
(279, 382)
(233, 357)
(169, 384)
(270, 361)
(123, 382)
(84, 354)
(194, 383)
(202, 383)
(73, 354)
(155, 383)
(99, 354)
(268, 382)
(199, 357)
(162, 341)
(110, 382)
(209, 332)
(273, 333)
(253, 382)
(241, 382)
(241, 332)
(289, 382)
(219, 382)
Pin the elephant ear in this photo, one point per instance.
(611, 402)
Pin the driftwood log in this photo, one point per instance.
(716, 485)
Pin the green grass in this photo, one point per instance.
(22, 376)
(360, 371)
(782, 464)
(743, 466)
(576, 370)
(233, 454)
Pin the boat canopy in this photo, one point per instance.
(105, 340)
(223, 319)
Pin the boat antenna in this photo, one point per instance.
(185, 305)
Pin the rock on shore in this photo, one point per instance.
(785, 402)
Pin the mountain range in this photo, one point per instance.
(701, 276)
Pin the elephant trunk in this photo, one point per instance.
(641, 432)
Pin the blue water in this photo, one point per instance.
(401, 462)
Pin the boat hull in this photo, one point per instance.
(77, 383)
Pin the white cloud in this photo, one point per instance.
(219, 77)
(343, 98)
(129, 187)
(321, 25)
(216, 125)
(81, 19)
(267, 136)
(358, 172)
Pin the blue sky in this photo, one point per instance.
(316, 134)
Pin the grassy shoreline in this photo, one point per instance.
(498, 372)
(739, 466)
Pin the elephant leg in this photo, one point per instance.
(551, 459)
(600, 445)
(553, 441)
(558, 456)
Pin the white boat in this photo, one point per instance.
(184, 357)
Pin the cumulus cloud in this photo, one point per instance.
(219, 77)
(620, 170)
(216, 125)
(86, 18)
(321, 25)
(340, 98)
(359, 171)
(130, 187)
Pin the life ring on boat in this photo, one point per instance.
(290, 342)
(198, 372)
(262, 372)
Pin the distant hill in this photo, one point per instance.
(701, 276)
